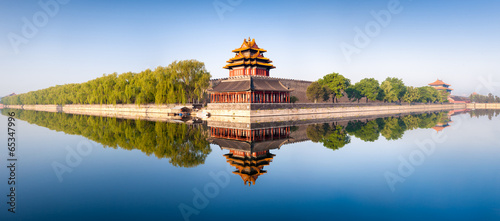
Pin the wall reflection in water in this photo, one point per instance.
(248, 145)
(249, 148)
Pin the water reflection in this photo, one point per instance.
(183, 144)
(249, 145)
(249, 149)
(480, 113)
(338, 134)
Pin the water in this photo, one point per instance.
(73, 167)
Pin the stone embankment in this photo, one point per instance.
(256, 113)
(127, 111)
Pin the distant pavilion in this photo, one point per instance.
(441, 86)
(249, 80)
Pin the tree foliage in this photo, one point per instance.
(336, 84)
(180, 82)
(411, 95)
(369, 88)
(353, 93)
(394, 89)
(477, 98)
(316, 91)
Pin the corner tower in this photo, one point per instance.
(249, 80)
(249, 60)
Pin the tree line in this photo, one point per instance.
(180, 82)
(335, 86)
(480, 113)
(184, 145)
(484, 99)
(335, 136)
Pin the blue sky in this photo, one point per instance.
(456, 41)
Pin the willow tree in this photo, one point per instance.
(193, 76)
(180, 82)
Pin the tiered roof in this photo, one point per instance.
(250, 83)
(249, 54)
(249, 167)
(439, 83)
(443, 88)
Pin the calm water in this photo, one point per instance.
(434, 166)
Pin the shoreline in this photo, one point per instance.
(251, 113)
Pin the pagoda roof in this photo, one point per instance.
(250, 83)
(443, 88)
(438, 82)
(249, 62)
(240, 56)
(241, 162)
(439, 128)
(250, 178)
(249, 45)
(249, 147)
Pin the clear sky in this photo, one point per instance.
(76, 41)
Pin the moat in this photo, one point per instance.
(385, 167)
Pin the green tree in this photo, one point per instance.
(336, 83)
(412, 94)
(353, 93)
(180, 82)
(193, 76)
(443, 97)
(369, 88)
(428, 94)
(316, 91)
(394, 89)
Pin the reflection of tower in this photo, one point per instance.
(444, 122)
(249, 166)
(249, 149)
(441, 125)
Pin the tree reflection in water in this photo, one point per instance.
(335, 136)
(184, 145)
